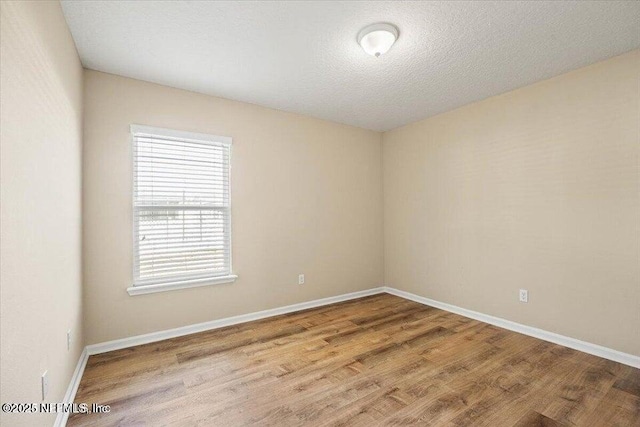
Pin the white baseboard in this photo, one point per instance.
(221, 323)
(594, 349)
(69, 396)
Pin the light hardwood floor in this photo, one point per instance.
(380, 360)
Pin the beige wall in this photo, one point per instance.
(306, 198)
(536, 189)
(40, 151)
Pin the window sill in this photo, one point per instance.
(172, 286)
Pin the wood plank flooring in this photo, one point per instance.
(379, 360)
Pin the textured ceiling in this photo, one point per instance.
(303, 56)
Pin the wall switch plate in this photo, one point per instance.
(524, 295)
(45, 384)
(300, 279)
(69, 340)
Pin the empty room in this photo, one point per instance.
(320, 213)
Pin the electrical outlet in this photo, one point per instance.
(69, 340)
(300, 279)
(45, 384)
(524, 295)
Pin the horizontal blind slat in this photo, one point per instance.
(159, 207)
(185, 272)
(156, 159)
(161, 144)
(185, 180)
(165, 173)
(186, 141)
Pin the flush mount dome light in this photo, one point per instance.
(377, 39)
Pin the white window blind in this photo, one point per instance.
(181, 206)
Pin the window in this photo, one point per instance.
(181, 209)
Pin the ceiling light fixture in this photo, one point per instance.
(377, 39)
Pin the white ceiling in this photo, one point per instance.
(303, 56)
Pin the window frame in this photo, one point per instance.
(139, 287)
